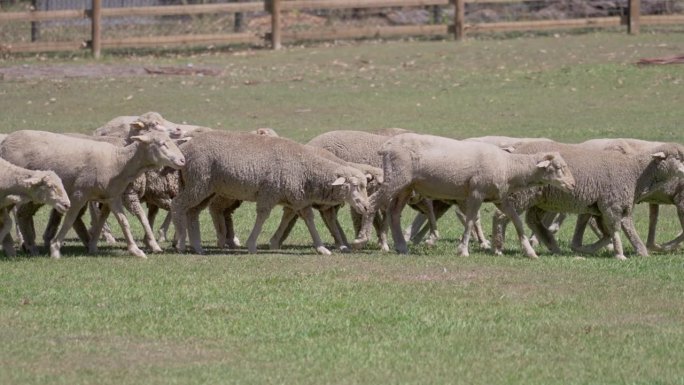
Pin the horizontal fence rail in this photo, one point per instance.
(457, 26)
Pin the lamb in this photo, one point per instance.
(90, 170)
(362, 148)
(671, 193)
(469, 173)
(607, 186)
(329, 213)
(122, 126)
(19, 185)
(264, 169)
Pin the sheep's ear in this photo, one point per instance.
(369, 177)
(33, 181)
(658, 155)
(183, 140)
(142, 138)
(509, 149)
(339, 181)
(544, 164)
(138, 125)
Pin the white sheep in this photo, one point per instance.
(267, 170)
(467, 172)
(89, 170)
(19, 185)
(362, 148)
(608, 184)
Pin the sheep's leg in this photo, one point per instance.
(231, 238)
(308, 216)
(396, 206)
(673, 244)
(17, 231)
(118, 210)
(194, 229)
(381, 224)
(652, 224)
(81, 229)
(263, 210)
(97, 226)
(216, 213)
(52, 227)
(578, 235)
(186, 198)
(611, 223)
(131, 202)
(329, 215)
(164, 228)
(507, 208)
(94, 211)
(499, 222)
(67, 222)
(288, 219)
(25, 221)
(534, 219)
(632, 235)
(471, 208)
(5, 229)
(418, 230)
(477, 228)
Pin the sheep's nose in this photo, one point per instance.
(181, 161)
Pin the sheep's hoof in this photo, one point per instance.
(498, 252)
(463, 251)
(92, 248)
(532, 256)
(161, 236)
(109, 238)
(274, 245)
(236, 242)
(401, 250)
(621, 257)
(54, 251)
(344, 249)
(322, 250)
(485, 245)
(384, 247)
(656, 247)
(359, 243)
(137, 252)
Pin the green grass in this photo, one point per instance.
(295, 317)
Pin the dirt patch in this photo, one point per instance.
(27, 71)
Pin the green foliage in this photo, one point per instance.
(295, 317)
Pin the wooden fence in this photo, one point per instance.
(458, 27)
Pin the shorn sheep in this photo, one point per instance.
(469, 173)
(608, 184)
(19, 185)
(266, 170)
(90, 171)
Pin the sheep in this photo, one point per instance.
(20, 185)
(671, 193)
(90, 170)
(122, 126)
(607, 186)
(264, 169)
(416, 230)
(466, 172)
(328, 213)
(362, 148)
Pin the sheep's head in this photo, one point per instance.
(162, 149)
(354, 186)
(47, 188)
(555, 171)
(153, 121)
(670, 159)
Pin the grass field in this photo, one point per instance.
(295, 317)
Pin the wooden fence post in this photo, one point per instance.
(274, 9)
(633, 17)
(96, 18)
(459, 19)
(35, 26)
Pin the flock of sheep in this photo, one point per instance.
(184, 169)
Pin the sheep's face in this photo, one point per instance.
(163, 151)
(152, 121)
(48, 188)
(671, 164)
(355, 192)
(556, 172)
